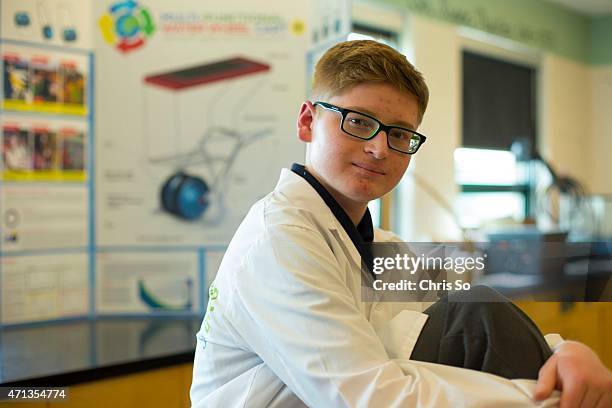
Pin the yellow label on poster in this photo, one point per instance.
(73, 109)
(45, 107)
(18, 105)
(45, 175)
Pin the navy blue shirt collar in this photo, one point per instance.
(364, 230)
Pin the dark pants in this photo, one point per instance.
(494, 337)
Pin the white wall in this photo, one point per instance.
(565, 117)
(434, 49)
(601, 142)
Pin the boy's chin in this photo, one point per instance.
(366, 197)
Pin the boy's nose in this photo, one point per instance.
(377, 146)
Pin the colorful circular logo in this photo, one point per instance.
(126, 25)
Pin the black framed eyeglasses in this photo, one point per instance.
(366, 127)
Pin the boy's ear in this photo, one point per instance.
(305, 121)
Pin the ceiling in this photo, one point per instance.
(587, 7)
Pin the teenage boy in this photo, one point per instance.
(285, 324)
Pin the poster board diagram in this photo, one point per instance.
(139, 282)
(208, 152)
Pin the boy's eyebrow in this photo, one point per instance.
(369, 112)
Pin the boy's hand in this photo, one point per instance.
(580, 375)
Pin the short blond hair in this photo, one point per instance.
(351, 63)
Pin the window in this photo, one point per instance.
(499, 100)
(498, 193)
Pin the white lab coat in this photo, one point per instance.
(286, 327)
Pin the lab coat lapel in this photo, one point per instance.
(304, 195)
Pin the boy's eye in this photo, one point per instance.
(356, 121)
(399, 135)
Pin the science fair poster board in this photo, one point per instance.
(195, 108)
(194, 118)
(45, 211)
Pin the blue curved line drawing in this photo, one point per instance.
(151, 301)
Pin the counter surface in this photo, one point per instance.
(71, 352)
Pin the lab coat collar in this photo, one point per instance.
(360, 234)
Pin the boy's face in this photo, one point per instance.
(357, 171)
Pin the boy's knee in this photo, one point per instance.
(483, 302)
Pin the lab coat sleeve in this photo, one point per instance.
(292, 306)
(554, 340)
